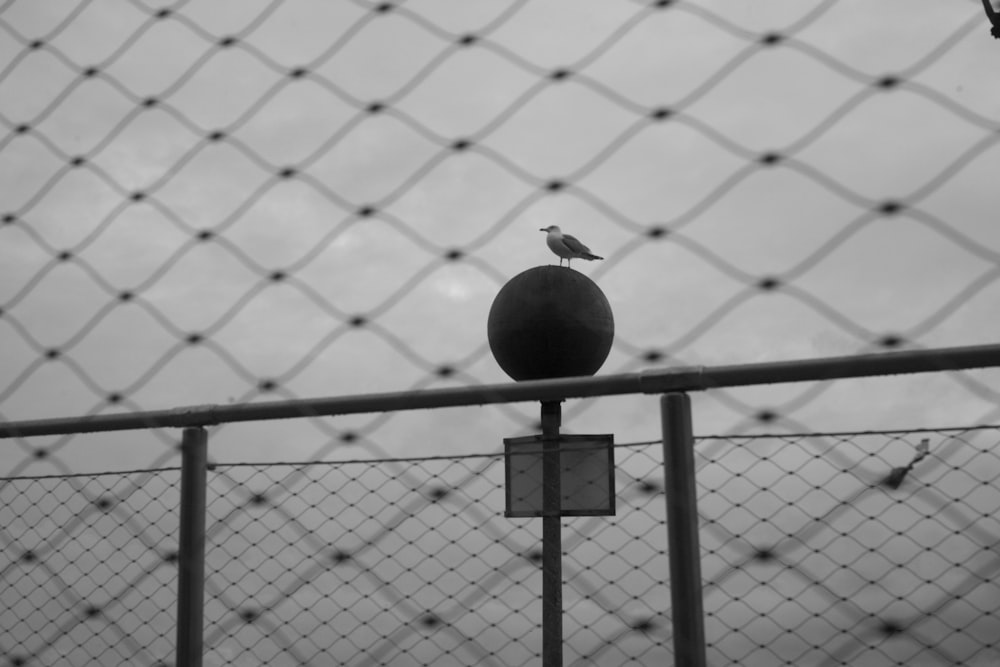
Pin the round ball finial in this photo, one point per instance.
(550, 322)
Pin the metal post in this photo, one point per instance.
(552, 629)
(682, 531)
(191, 548)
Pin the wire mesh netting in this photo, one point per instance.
(216, 203)
(818, 549)
(88, 569)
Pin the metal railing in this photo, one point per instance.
(678, 445)
(648, 382)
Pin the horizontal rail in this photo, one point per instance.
(657, 381)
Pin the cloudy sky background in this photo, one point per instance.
(218, 202)
(260, 201)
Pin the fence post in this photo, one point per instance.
(191, 549)
(682, 531)
(552, 630)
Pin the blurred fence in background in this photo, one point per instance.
(820, 549)
(208, 204)
(274, 199)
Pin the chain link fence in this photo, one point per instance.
(874, 548)
(219, 203)
(89, 568)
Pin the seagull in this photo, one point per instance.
(991, 14)
(566, 246)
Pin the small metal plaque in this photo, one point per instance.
(586, 480)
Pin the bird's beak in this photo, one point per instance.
(544, 229)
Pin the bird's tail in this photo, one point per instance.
(590, 255)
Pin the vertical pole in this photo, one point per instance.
(191, 548)
(682, 531)
(552, 630)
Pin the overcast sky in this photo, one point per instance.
(219, 202)
(151, 150)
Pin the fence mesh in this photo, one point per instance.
(88, 569)
(213, 203)
(818, 549)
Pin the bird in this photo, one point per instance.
(565, 246)
(994, 18)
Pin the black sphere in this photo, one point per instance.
(550, 322)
